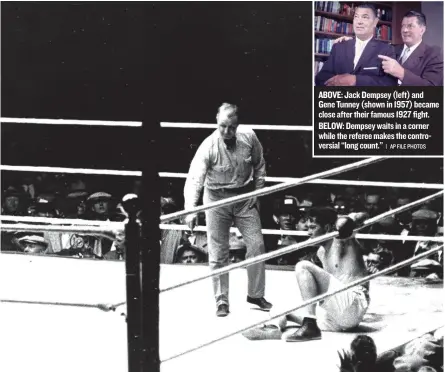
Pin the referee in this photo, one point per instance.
(230, 162)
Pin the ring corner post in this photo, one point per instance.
(150, 246)
(133, 284)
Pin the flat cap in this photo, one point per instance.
(99, 195)
(424, 214)
(35, 239)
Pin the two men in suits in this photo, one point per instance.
(416, 63)
(355, 62)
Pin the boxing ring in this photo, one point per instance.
(51, 307)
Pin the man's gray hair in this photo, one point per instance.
(228, 106)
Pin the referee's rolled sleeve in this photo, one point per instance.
(196, 176)
(258, 162)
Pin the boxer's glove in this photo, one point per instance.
(345, 227)
(359, 218)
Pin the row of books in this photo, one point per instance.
(328, 6)
(384, 14)
(318, 66)
(332, 25)
(384, 32)
(323, 45)
(324, 24)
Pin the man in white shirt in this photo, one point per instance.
(355, 62)
(416, 63)
(229, 162)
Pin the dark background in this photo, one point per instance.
(115, 61)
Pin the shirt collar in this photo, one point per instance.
(412, 48)
(362, 42)
(224, 143)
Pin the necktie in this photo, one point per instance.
(405, 56)
(358, 53)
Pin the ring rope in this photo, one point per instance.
(106, 123)
(314, 300)
(305, 233)
(102, 232)
(63, 221)
(72, 229)
(297, 246)
(271, 189)
(414, 185)
(104, 172)
(109, 123)
(100, 306)
(307, 128)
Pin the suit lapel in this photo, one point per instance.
(398, 50)
(350, 52)
(415, 58)
(366, 54)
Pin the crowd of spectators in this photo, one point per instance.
(53, 195)
(288, 213)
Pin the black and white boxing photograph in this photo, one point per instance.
(162, 209)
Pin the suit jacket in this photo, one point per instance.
(423, 67)
(368, 70)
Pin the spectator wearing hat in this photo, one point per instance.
(99, 206)
(287, 217)
(44, 206)
(33, 244)
(13, 205)
(90, 245)
(190, 254)
(75, 204)
(424, 223)
(303, 209)
(13, 202)
(386, 252)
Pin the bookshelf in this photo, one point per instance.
(333, 19)
(344, 17)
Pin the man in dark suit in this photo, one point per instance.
(416, 63)
(355, 62)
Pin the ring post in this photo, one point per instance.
(150, 248)
(134, 305)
